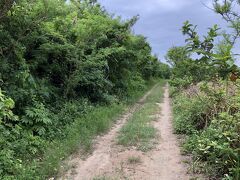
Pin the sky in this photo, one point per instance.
(161, 20)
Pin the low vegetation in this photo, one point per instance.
(210, 119)
(139, 130)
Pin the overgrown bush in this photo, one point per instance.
(191, 113)
(210, 118)
(181, 83)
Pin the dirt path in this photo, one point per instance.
(111, 161)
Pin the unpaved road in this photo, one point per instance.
(111, 161)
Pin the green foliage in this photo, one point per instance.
(183, 82)
(219, 145)
(176, 55)
(221, 60)
(37, 118)
(211, 121)
(5, 6)
(6, 106)
(185, 70)
(165, 71)
(190, 115)
(228, 9)
(8, 163)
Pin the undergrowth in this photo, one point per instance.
(210, 119)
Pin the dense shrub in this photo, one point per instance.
(181, 83)
(191, 114)
(210, 118)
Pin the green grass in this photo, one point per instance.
(139, 131)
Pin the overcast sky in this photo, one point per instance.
(161, 20)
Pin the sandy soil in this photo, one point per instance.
(112, 161)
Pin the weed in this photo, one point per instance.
(134, 160)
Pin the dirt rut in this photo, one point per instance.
(111, 161)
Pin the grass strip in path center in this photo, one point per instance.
(139, 131)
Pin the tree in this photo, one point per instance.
(229, 10)
(220, 61)
(183, 66)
